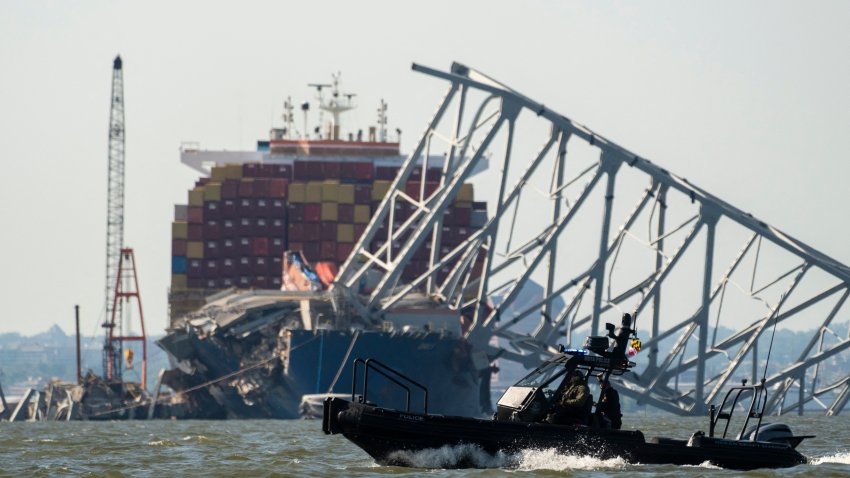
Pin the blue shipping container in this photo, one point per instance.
(178, 264)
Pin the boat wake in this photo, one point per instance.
(841, 458)
(552, 459)
(457, 456)
(472, 456)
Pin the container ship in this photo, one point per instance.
(254, 326)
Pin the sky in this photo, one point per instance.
(748, 100)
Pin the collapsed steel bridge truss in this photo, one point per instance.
(602, 231)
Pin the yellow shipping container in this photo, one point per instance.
(330, 191)
(330, 211)
(466, 193)
(379, 189)
(196, 196)
(179, 230)
(212, 192)
(345, 233)
(178, 281)
(218, 174)
(195, 250)
(362, 213)
(346, 194)
(233, 171)
(313, 192)
(297, 193)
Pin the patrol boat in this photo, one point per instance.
(392, 436)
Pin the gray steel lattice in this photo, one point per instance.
(115, 195)
(547, 226)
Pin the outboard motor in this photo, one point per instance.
(773, 433)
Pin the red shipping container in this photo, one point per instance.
(359, 229)
(278, 187)
(312, 212)
(229, 209)
(246, 187)
(328, 251)
(261, 266)
(434, 174)
(295, 212)
(196, 232)
(230, 189)
(261, 246)
(343, 250)
(245, 246)
(195, 268)
(416, 173)
(178, 247)
(312, 231)
(295, 232)
(260, 282)
(250, 170)
(345, 213)
(311, 250)
(262, 188)
(261, 227)
(195, 214)
(212, 210)
(330, 169)
(364, 171)
(328, 231)
(362, 193)
(296, 246)
(211, 249)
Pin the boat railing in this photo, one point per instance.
(390, 374)
(756, 408)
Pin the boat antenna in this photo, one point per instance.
(772, 335)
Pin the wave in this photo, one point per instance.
(840, 457)
(473, 456)
(552, 459)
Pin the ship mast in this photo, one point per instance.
(336, 105)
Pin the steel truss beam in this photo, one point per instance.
(541, 215)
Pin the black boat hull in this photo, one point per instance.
(386, 434)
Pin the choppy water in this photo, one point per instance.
(298, 448)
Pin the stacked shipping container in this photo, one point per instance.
(240, 220)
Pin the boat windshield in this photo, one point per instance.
(543, 375)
